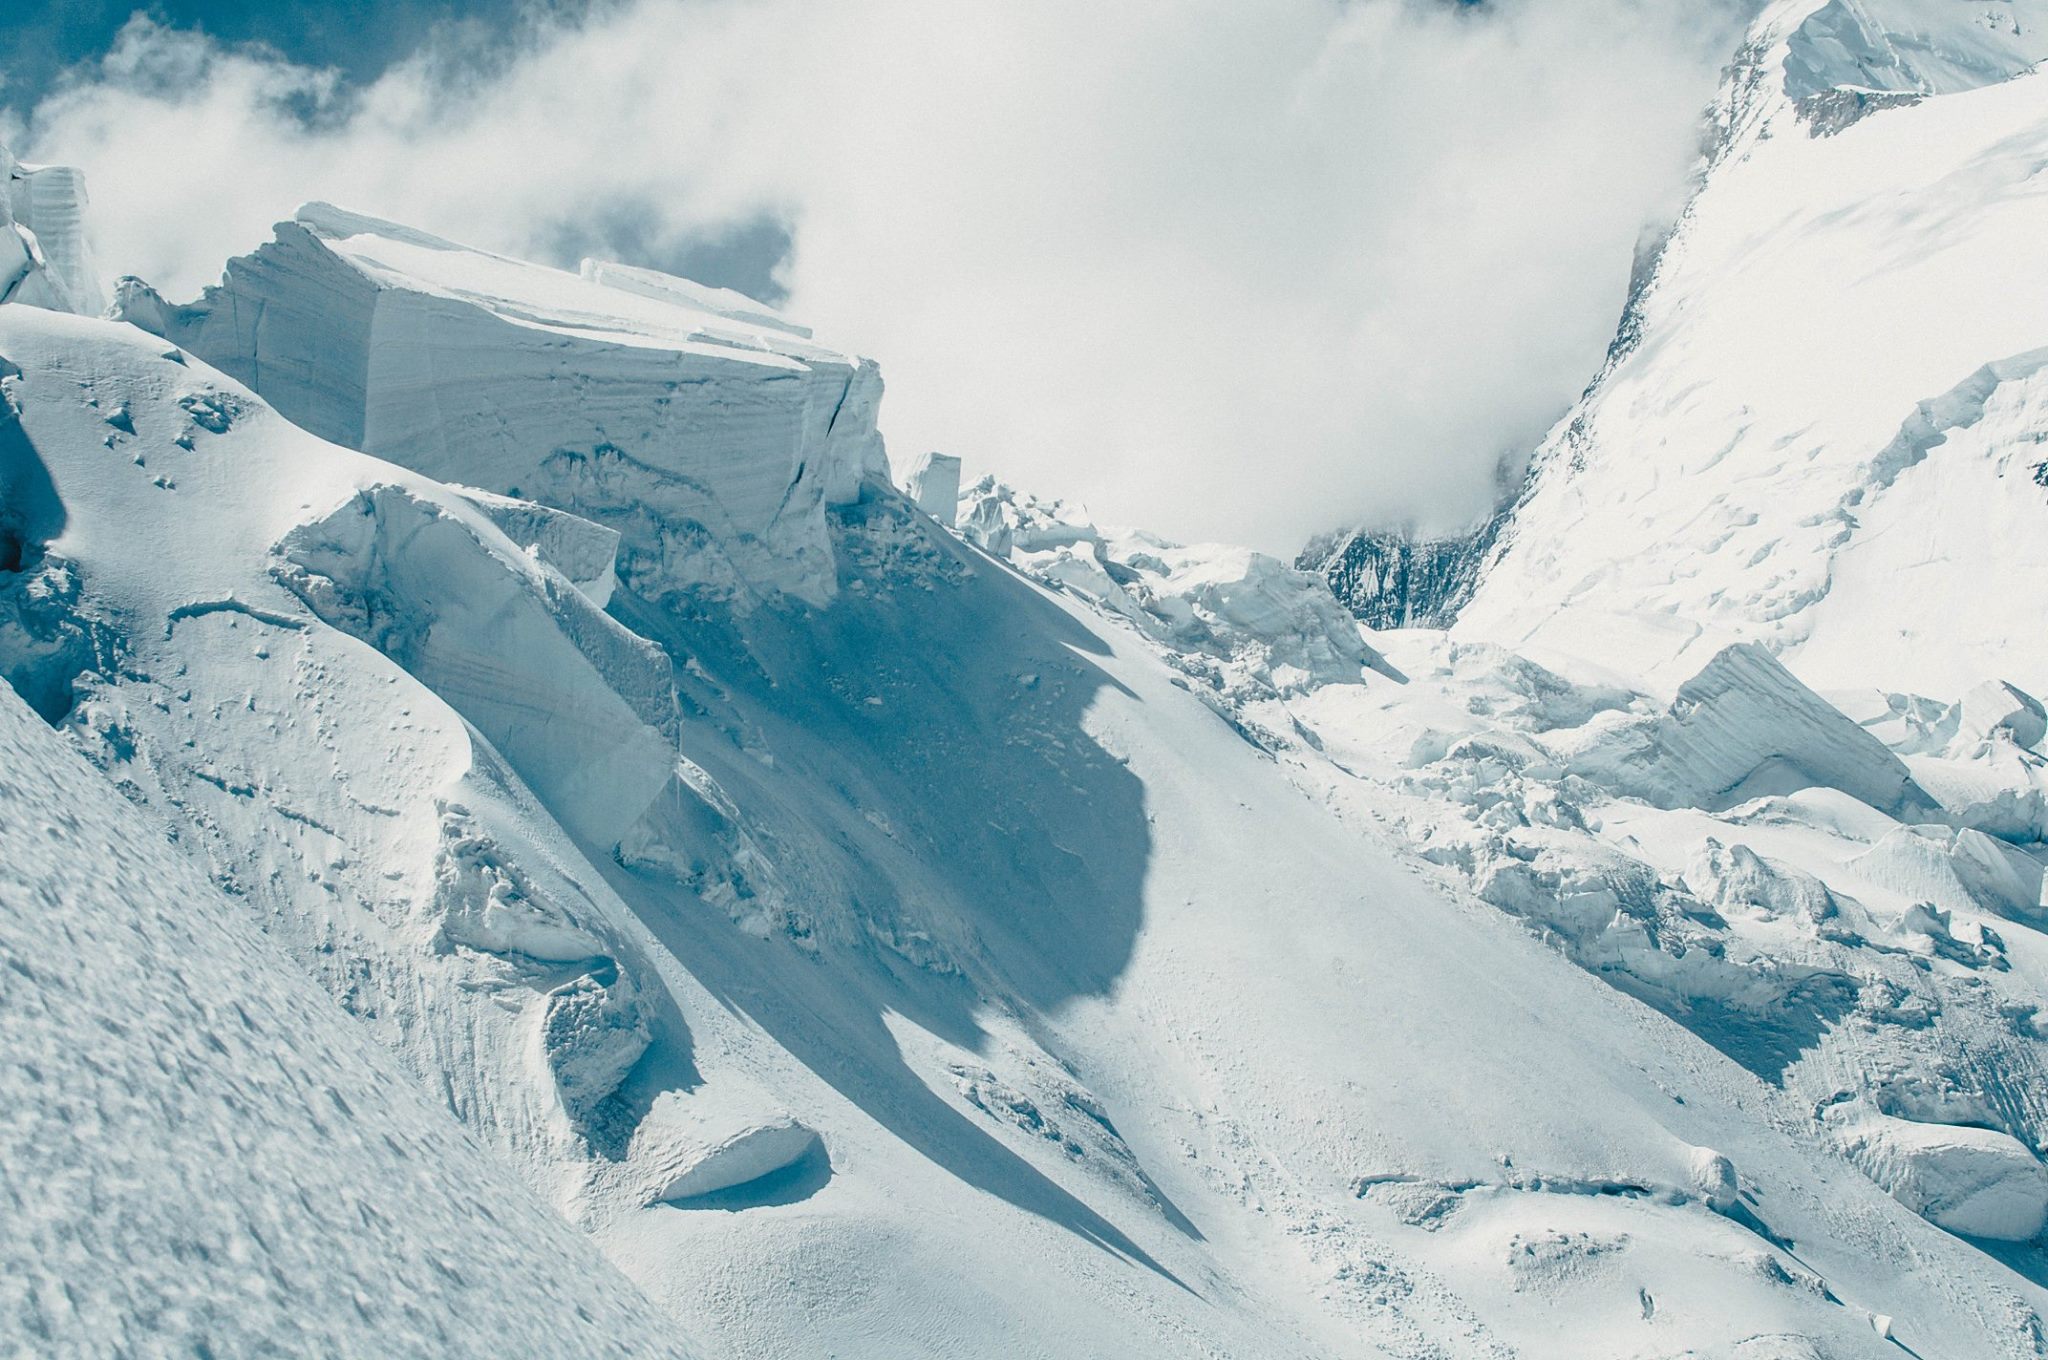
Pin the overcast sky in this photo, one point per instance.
(1230, 271)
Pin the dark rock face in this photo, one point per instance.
(1394, 580)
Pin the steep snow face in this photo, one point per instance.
(710, 432)
(1820, 428)
(205, 1155)
(45, 260)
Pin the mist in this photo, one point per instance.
(1229, 272)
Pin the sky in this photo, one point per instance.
(1230, 272)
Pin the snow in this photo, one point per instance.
(1231, 618)
(1913, 46)
(45, 259)
(1742, 728)
(974, 937)
(1817, 430)
(934, 483)
(891, 926)
(205, 1155)
(1978, 1182)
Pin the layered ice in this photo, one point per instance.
(709, 432)
(45, 257)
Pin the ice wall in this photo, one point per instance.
(708, 431)
(45, 260)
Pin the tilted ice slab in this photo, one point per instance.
(708, 431)
(1745, 728)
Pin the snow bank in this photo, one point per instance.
(710, 433)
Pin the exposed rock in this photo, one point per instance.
(1395, 580)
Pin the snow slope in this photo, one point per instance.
(964, 937)
(205, 1155)
(1049, 940)
(1821, 424)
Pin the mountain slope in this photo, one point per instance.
(203, 1153)
(1820, 428)
(955, 876)
(1051, 940)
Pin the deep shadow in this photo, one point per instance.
(1765, 1042)
(2029, 1260)
(791, 1184)
(935, 808)
(44, 646)
(31, 512)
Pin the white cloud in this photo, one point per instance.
(1231, 271)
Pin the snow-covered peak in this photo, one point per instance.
(1820, 427)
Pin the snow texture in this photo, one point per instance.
(206, 1156)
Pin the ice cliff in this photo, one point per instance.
(710, 432)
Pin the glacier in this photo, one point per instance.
(505, 790)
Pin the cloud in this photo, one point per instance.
(1230, 271)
